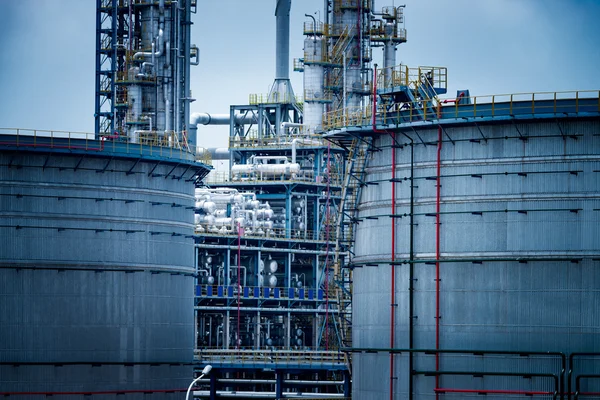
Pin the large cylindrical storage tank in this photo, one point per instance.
(519, 259)
(96, 272)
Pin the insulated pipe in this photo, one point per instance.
(220, 119)
(287, 125)
(168, 53)
(245, 247)
(265, 310)
(153, 53)
(303, 141)
(314, 25)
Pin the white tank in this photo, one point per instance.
(222, 221)
(264, 213)
(260, 168)
(207, 206)
(272, 280)
(252, 204)
(207, 219)
(272, 266)
(220, 213)
(267, 224)
(242, 169)
(286, 169)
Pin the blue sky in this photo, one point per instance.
(47, 51)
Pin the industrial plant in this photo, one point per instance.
(374, 235)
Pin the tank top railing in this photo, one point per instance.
(466, 107)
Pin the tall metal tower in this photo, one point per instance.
(143, 58)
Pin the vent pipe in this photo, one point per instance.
(281, 91)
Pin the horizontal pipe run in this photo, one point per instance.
(289, 382)
(475, 352)
(270, 395)
(526, 375)
(572, 357)
(491, 391)
(266, 310)
(264, 249)
(575, 258)
(221, 119)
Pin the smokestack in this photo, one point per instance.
(281, 91)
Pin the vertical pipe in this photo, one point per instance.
(327, 249)
(393, 273)
(186, 96)
(411, 266)
(411, 274)
(393, 245)
(437, 256)
(239, 265)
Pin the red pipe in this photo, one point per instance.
(437, 254)
(393, 210)
(239, 286)
(482, 391)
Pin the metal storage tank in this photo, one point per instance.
(96, 268)
(519, 257)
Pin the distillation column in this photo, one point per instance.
(143, 95)
(315, 54)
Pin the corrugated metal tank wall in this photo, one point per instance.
(96, 267)
(510, 198)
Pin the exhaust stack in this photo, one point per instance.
(281, 91)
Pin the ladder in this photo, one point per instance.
(345, 234)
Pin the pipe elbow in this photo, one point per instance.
(199, 118)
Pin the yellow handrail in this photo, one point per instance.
(500, 104)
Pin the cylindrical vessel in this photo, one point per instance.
(96, 274)
(389, 54)
(314, 95)
(518, 240)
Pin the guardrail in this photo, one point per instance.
(150, 145)
(311, 358)
(262, 292)
(279, 142)
(258, 98)
(466, 107)
(216, 177)
(207, 229)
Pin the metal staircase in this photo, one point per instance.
(333, 79)
(425, 93)
(345, 234)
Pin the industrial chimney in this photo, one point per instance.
(281, 91)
